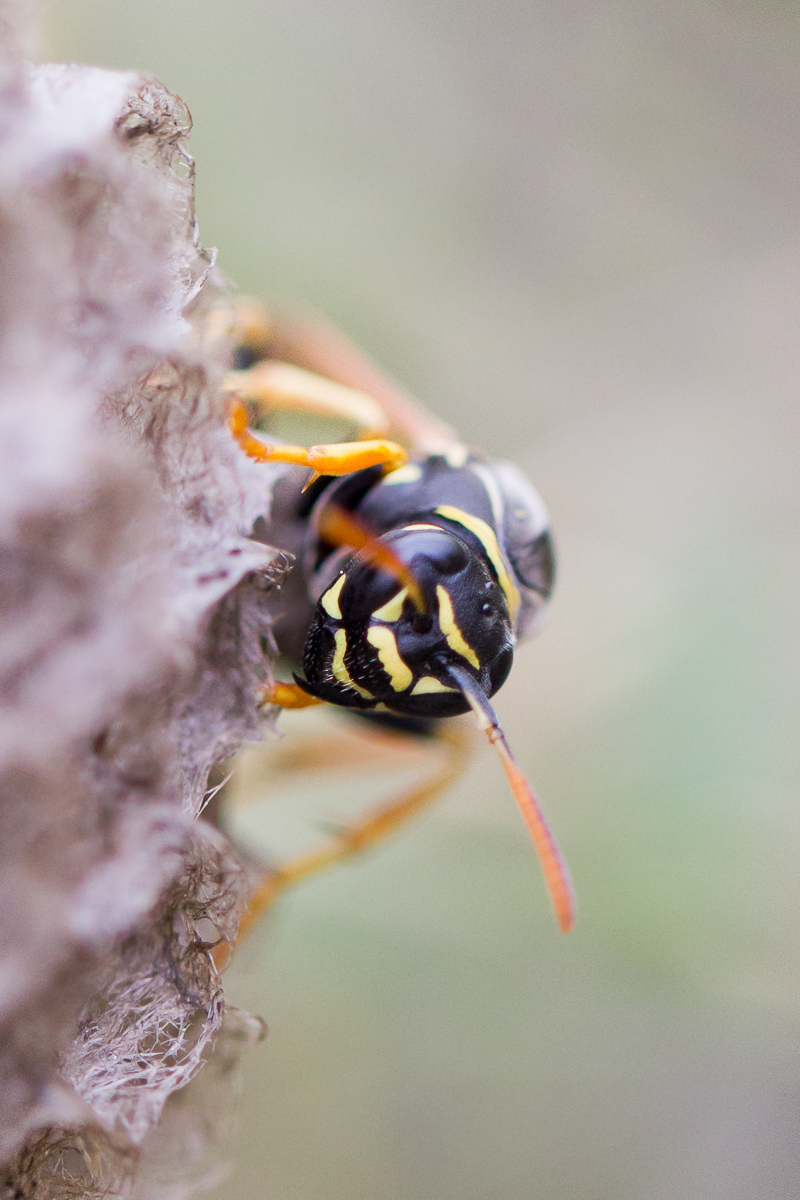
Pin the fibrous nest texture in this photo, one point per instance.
(133, 611)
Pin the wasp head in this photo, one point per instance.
(372, 643)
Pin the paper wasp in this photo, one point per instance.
(418, 565)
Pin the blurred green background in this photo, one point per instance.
(572, 230)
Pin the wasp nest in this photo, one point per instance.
(130, 648)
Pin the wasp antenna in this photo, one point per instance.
(554, 868)
(341, 528)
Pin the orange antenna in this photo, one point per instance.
(554, 868)
(341, 528)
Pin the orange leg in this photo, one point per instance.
(279, 386)
(288, 695)
(375, 825)
(309, 365)
(313, 344)
(339, 458)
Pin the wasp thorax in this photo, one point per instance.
(371, 643)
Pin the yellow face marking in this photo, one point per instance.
(392, 610)
(338, 668)
(429, 683)
(330, 601)
(447, 623)
(385, 643)
(486, 536)
(410, 473)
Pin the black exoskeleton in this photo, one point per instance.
(475, 537)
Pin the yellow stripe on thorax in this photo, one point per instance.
(486, 536)
(447, 623)
(338, 668)
(385, 643)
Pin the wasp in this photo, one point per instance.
(419, 564)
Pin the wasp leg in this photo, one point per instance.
(278, 386)
(288, 695)
(376, 824)
(339, 458)
(344, 750)
(316, 347)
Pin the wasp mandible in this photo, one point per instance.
(419, 565)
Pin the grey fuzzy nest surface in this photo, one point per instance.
(133, 611)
